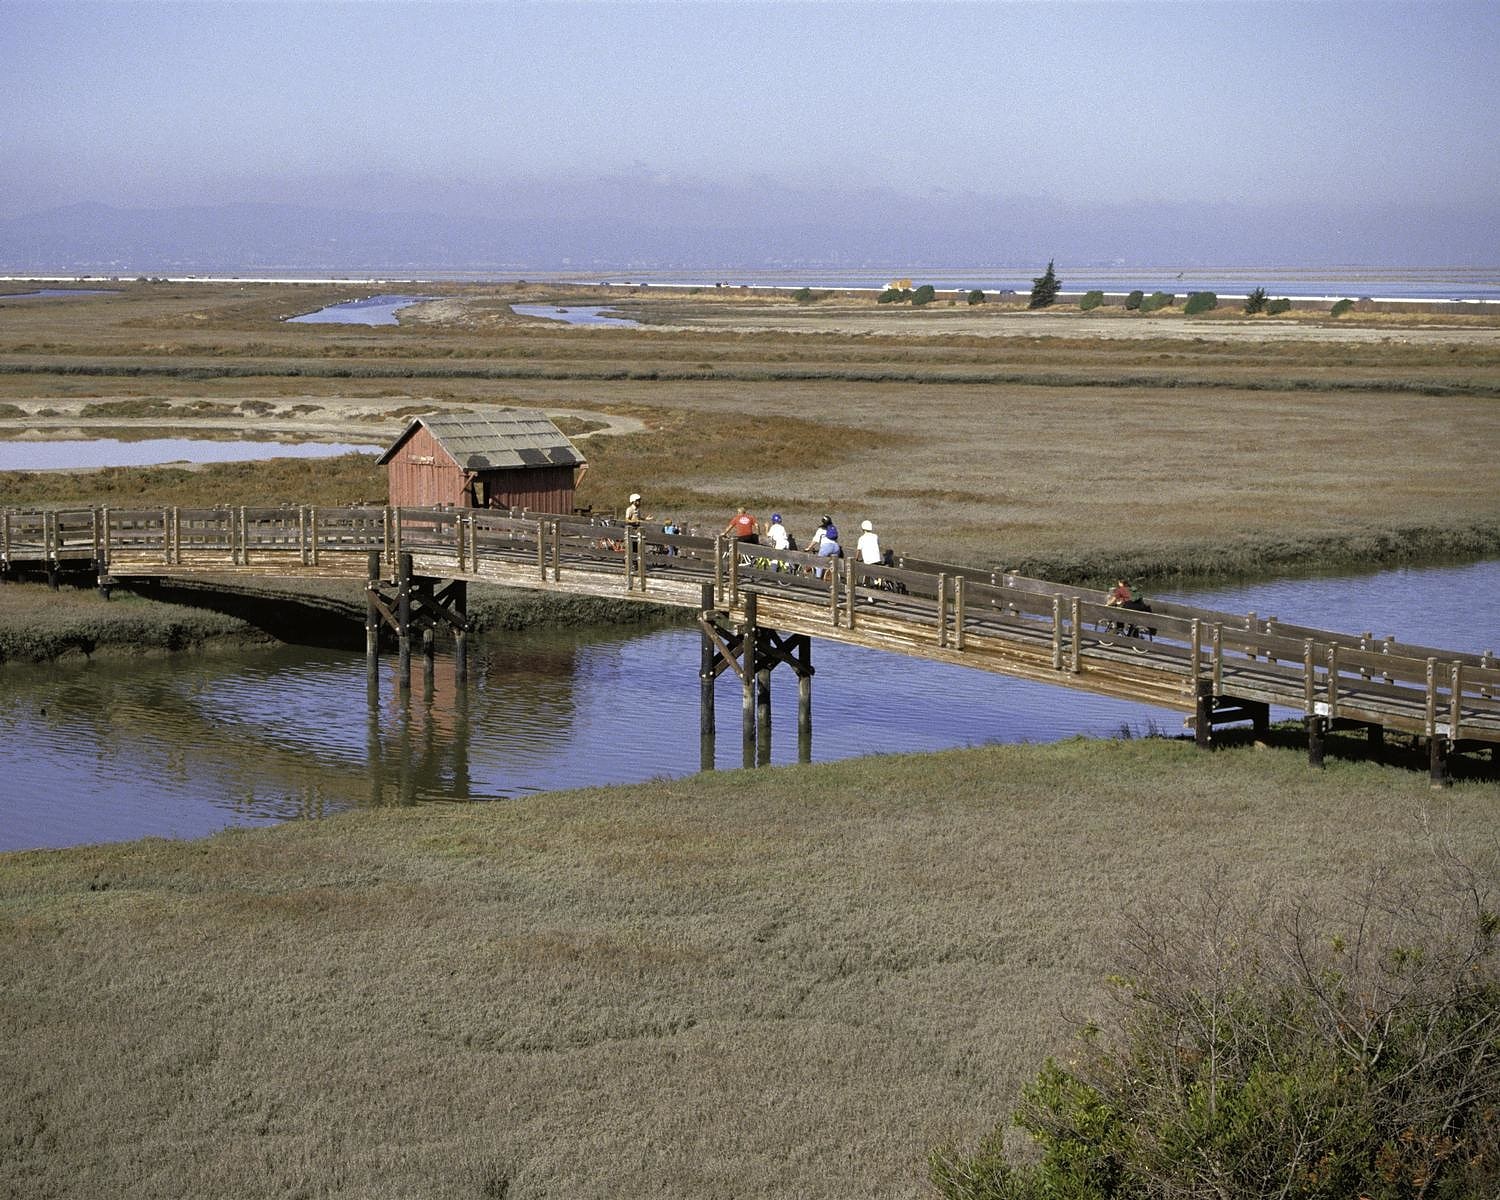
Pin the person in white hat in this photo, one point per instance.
(868, 546)
(633, 511)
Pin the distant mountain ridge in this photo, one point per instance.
(688, 233)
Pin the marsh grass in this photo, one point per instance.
(1062, 454)
(792, 982)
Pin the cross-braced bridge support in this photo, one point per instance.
(416, 609)
(751, 651)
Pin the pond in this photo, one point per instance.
(181, 747)
(576, 314)
(372, 310)
(56, 293)
(87, 453)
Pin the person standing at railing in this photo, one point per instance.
(868, 549)
(828, 544)
(815, 543)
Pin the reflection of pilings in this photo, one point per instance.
(429, 660)
(406, 792)
(403, 623)
(460, 591)
(374, 751)
(461, 744)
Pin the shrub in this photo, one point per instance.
(1300, 1049)
(1274, 308)
(1255, 302)
(925, 294)
(1091, 300)
(1200, 302)
(894, 295)
(803, 295)
(1157, 300)
(1044, 289)
(976, 297)
(1135, 299)
(1340, 307)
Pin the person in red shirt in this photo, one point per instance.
(743, 527)
(1119, 594)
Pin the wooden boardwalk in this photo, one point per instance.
(754, 605)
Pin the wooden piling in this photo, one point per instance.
(372, 616)
(747, 667)
(403, 622)
(1316, 728)
(1203, 716)
(706, 670)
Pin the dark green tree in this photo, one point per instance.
(1255, 302)
(925, 294)
(1091, 300)
(1200, 302)
(1044, 289)
(1340, 307)
(1274, 308)
(1133, 301)
(976, 297)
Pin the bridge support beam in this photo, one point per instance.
(1203, 718)
(1437, 762)
(403, 623)
(1317, 727)
(752, 653)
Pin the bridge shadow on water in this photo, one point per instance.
(325, 621)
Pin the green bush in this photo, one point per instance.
(1340, 307)
(1134, 300)
(803, 295)
(1200, 302)
(1157, 300)
(894, 295)
(1311, 1050)
(1274, 308)
(925, 294)
(1255, 302)
(1091, 300)
(976, 297)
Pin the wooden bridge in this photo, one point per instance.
(759, 608)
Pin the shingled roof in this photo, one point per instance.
(508, 437)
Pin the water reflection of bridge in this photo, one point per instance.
(757, 612)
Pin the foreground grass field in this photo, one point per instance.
(993, 437)
(790, 983)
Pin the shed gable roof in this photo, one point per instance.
(508, 437)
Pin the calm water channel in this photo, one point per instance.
(150, 452)
(577, 314)
(121, 749)
(372, 310)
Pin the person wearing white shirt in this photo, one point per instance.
(776, 534)
(868, 545)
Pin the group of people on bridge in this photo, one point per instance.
(744, 528)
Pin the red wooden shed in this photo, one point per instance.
(510, 458)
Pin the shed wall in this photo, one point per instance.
(540, 489)
(423, 473)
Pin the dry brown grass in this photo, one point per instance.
(787, 983)
(1049, 450)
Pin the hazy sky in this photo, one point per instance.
(146, 103)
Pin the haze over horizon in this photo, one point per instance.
(210, 136)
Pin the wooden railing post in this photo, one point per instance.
(833, 591)
(1057, 631)
(166, 539)
(1333, 681)
(244, 537)
(942, 608)
(1455, 699)
(1431, 721)
(556, 554)
(1218, 658)
(850, 579)
(1197, 651)
(720, 583)
(104, 544)
(640, 558)
(1309, 687)
(313, 532)
(176, 534)
(958, 613)
(629, 566)
(1076, 644)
